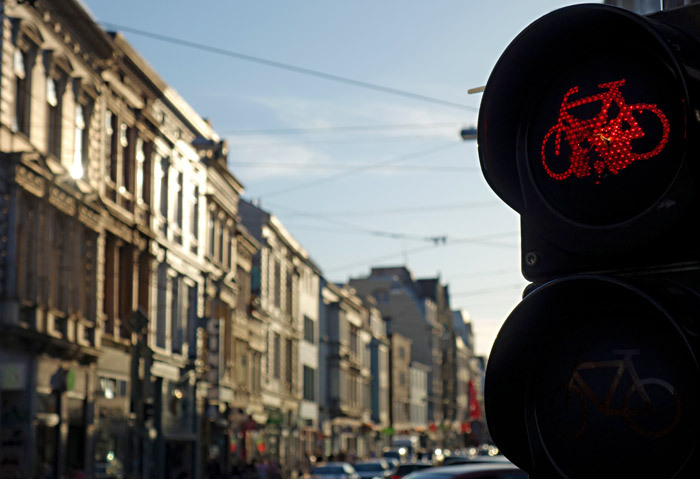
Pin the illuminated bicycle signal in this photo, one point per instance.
(605, 142)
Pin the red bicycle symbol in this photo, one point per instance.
(651, 406)
(610, 133)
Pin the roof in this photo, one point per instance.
(464, 468)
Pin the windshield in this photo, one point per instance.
(368, 467)
(328, 470)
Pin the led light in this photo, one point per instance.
(603, 143)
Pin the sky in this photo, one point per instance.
(343, 119)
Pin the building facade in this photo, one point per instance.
(380, 375)
(53, 232)
(413, 314)
(400, 367)
(345, 401)
(105, 265)
(418, 398)
(153, 322)
(286, 286)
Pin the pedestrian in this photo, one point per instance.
(273, 470)
(213, 469)
(261, 468)
(250, 472)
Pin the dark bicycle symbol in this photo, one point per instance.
(651, 406)
(610, 134)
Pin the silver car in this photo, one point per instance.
(505, 470)
(334, 470)
(374, 469)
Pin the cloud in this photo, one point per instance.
(326, 134)
(277, 157)
(334, 113)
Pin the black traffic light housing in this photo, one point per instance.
(613, 200)
(589, 129)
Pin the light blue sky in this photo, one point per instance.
(436, 48)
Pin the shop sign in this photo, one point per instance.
(275, 417)
(12, 376)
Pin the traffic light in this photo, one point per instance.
(589, 129)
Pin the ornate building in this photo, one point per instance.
(103, 266)
(416, 310)
(52, 230)
(284, 281)
(345, 400)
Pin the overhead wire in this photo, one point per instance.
(276, 144)
(370, 231)
(346, 166)
(336, 129)
(478, 239)
(489, 290)
(405, 210)
(287, 66)
(358, 170)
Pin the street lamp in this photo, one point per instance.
(468, 133)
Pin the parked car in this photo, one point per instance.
(371, 469)
(409, 467)
(392, 455)
(478, 459)
(334, 470)
(505, 470)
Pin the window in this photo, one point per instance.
(110, 142)
(230, 247)
(191, 322)
(111, 388)
(212, 234)
(289, 292)
(125, 187)
(176, 314)
(77, 167)
(54, 105)
(353, 390)
(220, 241)
(59, 259)
(164, 173)
(243, 291)
(277, 361)
(23, 91)
(289, 371)
(242, 366)
(140, 158)
(177, 214)
(309, 386)
(126, 286)
(161, 307)
(194, 218)
(353, 340)
(255, 372)
(278, 283)
(309, 330)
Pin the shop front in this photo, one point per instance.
(272, 435)
(45, 414)
(112, 409)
